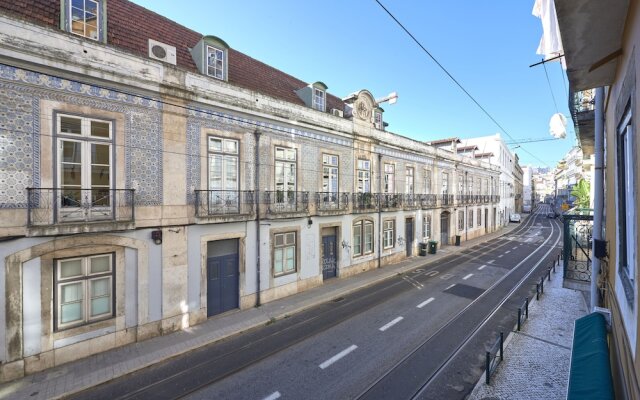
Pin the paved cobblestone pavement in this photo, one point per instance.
(536, 359)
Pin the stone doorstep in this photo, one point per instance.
(280, 312)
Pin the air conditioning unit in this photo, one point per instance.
(162, 52)
(337, 113)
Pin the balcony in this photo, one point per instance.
(446, 200)
(214, 204)
(364, 202)
(582, 108)
(332, 202)
(286, 202)
(495, 198)
(428, 201)
(55, 211)
(412, 201)
(391, 201)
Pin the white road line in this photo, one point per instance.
(467, 277)
(424, 303)
(390, 324)
(272, 396)
(482, 267)
(507, 252)
(514, 247)
(501, 255)
(450, 286)
(490, 261)
(338, 356)
(432, 273)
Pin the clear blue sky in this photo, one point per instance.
(352, 45)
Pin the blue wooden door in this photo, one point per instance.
(329, 257)
(222, 284)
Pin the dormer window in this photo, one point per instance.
(84, 18)
(319, 99)
(210, 55)
(215, 62)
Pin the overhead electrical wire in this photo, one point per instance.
(477, 103)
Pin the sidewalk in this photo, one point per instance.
(91, 371)
(537, 359)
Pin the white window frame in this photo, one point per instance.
(330, 173)
(389, 178)
(426, 226)
(388, 233)
(377, 119)
(85, 278)
(470, 219)
(84, 208)
(427, 181)
(461, 220)
(363, 173)
(98, 14)
(479, 217)
(363, 241)
(410, 180)
(289, 241)
(216, 51)
(288, 175)
(625, 178)
(445, 182)
(318, 99)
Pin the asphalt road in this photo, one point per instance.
(421, 334)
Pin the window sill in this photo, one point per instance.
(280, 275)
(80, 227)
(83, 332)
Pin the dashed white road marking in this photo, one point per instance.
(501, 255)
(424, 303)
(467, 277)
(482, 267)
(507, 252)
(272, 396)
(515, 247)
(338, 356)
(490, 261)
(390, 324)
(450, 286)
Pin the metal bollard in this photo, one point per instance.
(542, 284)
(537, 291)
(519, 317)
(488, 368)
(526, 307)
(501, 346)
(549, 274)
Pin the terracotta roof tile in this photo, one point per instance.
(130, 26)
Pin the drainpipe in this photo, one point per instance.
(256, 200)
(598, 192)
(379, 209)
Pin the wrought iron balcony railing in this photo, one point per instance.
(391, 200)
(446, 200)
(412, 201)
(51, 206)
(429, 200)
(280, 201)
(210, 203)
(495, 198)
(332, 201)
(365, 202)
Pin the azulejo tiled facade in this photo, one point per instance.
(20, 92)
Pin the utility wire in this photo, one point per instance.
(550, 89)
(455, 80)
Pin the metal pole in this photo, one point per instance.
(526, 306)
(501, 346)
(256, 200)
(487, 366)
(380, 210)
(519, 317)
(598, 192)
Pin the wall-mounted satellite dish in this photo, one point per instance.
(558, 126)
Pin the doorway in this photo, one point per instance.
(486, 220)
(329, 254)
(408, 234)
(444, 227)
(223, 276)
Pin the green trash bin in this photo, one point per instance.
(423, 249)
(433, 245)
